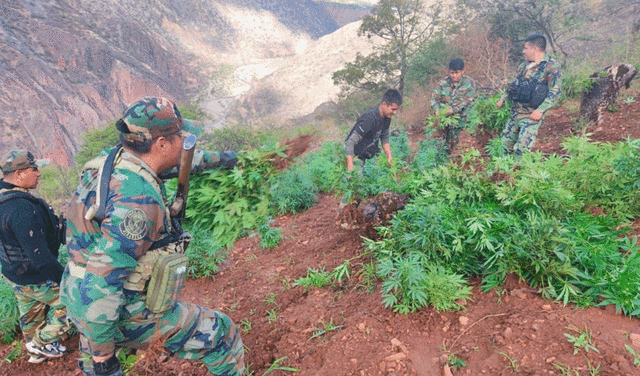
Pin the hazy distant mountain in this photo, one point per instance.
(68, 65)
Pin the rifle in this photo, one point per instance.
(178, 208)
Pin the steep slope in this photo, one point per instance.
(66, 66)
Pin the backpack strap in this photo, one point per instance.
(97, 211)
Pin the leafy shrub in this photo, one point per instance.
(399, 143)
(57, 185)
(484, 115)
(412, 283)
(318, 278)
(573, 86)
(428, 61)
(293, 191)
(9, 314)
(269, 237)
(429, 155)
(94, 141)
(205, 253)
(231, 202)
(236, 138)
(327, 166)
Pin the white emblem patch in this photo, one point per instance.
(134, 224)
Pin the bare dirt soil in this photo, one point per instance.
(508, 331)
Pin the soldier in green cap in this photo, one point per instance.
(453, 96)
(119, 226)
(30, 237)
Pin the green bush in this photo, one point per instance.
(94, 141)
(484, 115)
(205, 253)
(428, 61)
(327, 166)
(57, 185)
(236, 138)
(429, 155)
(293, 191)
(269, 237)
(9, 314)
(412, 282)
(573, 85)
(399, 142)
(231, 202)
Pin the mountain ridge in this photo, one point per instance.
(68, 66)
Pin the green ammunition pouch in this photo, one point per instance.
(161, 273)
(168, 276)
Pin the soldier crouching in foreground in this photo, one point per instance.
(107, 285)
(30, 237)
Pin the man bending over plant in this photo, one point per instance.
(372, 127)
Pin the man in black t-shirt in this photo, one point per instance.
(30, 236)
(372, 127)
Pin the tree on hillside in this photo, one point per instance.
(516, 19)
(403, 25)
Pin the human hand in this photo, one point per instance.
(535, 115)
(228, 159)
(109, 367)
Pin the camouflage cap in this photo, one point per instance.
(150, 118)
(20, 160)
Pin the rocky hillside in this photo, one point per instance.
(69, 65)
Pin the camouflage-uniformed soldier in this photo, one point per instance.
(521, 130)
(105, 282)
(30, 236)
(455, 93)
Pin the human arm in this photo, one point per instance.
(31, 233)
(349, 162)
(387, 151)
(205, 160)
(438, 96)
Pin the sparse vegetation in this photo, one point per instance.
(583, 341)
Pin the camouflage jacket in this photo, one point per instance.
(551, 74)
(108, 252)
(458, 97)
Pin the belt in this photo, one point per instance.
(76, 270)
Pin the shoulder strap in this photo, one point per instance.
(97, 211)
(539, 71)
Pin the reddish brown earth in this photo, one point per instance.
(508, 331)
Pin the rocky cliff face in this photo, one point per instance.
(66, 66)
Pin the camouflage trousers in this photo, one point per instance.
(186, 330)
(43, 318)
(520, 133)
